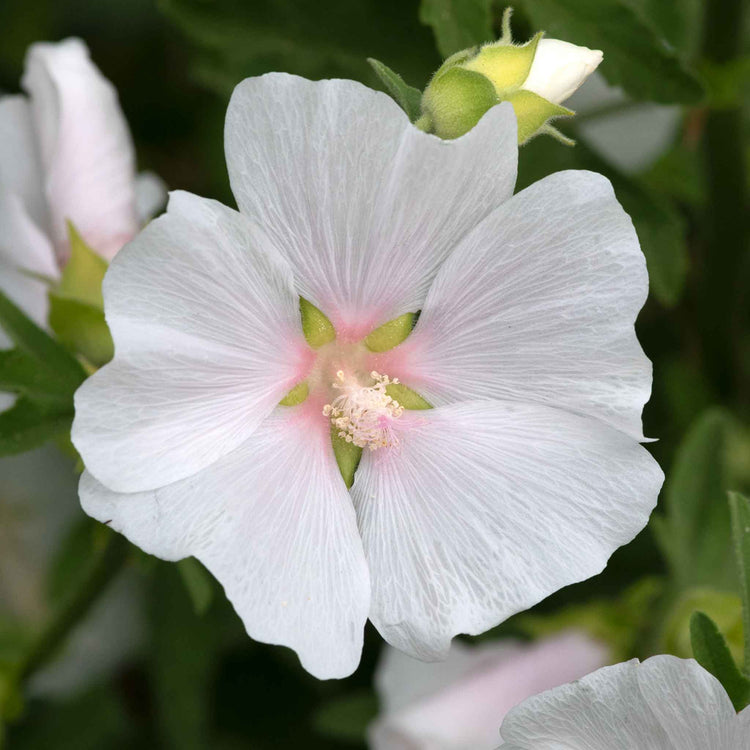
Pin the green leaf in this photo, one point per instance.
(391, 334)
(28, 424)
(407, 97)
(693, 533)
(635, 56)
(83, 273)
(236, 38)
(32, 340)
(21, 373)
(317, 328)
(347, 718)
(347, 455)
(739, 507)
(82, 328)
(197, 581)
(458, 23)
(712, 653)
(723, 608)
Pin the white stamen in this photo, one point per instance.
(364, 415)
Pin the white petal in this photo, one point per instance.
(150, 195)
(25, 255)
(486, 508)
(467, 712)
(690, 704)
(274, 523)
(20, 167)
(663, 704)
(363, 204)
(559, 68)
(538, 304)
(207, 341)
(87, 152)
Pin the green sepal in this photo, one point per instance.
(347, 455)
(82, 328)
(391, 334)
(84, 272)
(407, 97)
(533, 112)
(406, 397)
(712, 653)
(457, 58)
(297, 395)
(317, 328)
(506, 65)
(456, 100)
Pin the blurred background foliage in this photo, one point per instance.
(161, 660)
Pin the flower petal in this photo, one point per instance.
(466, 709)
(208, 340)
(274, 523)
(662, 704)
(86, 147)
(25, 254)
(690, 704)
(20, 166)
(485, 508)
(538, 304)
(363, 205)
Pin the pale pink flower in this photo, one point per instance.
(459, 704)
(526, 476)
(65, 155)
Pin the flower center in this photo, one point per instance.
(364, 415)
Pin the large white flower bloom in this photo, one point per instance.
(65, 154)
(460, 703)
(524, 478)
(664, 703)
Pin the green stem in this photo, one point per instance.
(77, 606)
(726, 243)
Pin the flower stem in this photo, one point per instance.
(726, 243)
(104, 569)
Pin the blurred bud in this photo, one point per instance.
(535, 77)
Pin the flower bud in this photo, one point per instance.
(535, 77)
(559, 69)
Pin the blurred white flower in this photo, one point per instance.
(526, 476)
(664, 703)
(38, 511)
(460, 703)
(631, 135)
(65, 154)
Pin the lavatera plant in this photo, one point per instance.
(536, 78)
(274, 409)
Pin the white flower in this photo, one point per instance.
(460, 703)
(524, 478)
(665, 703)
(559, 68)
(65, 154)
